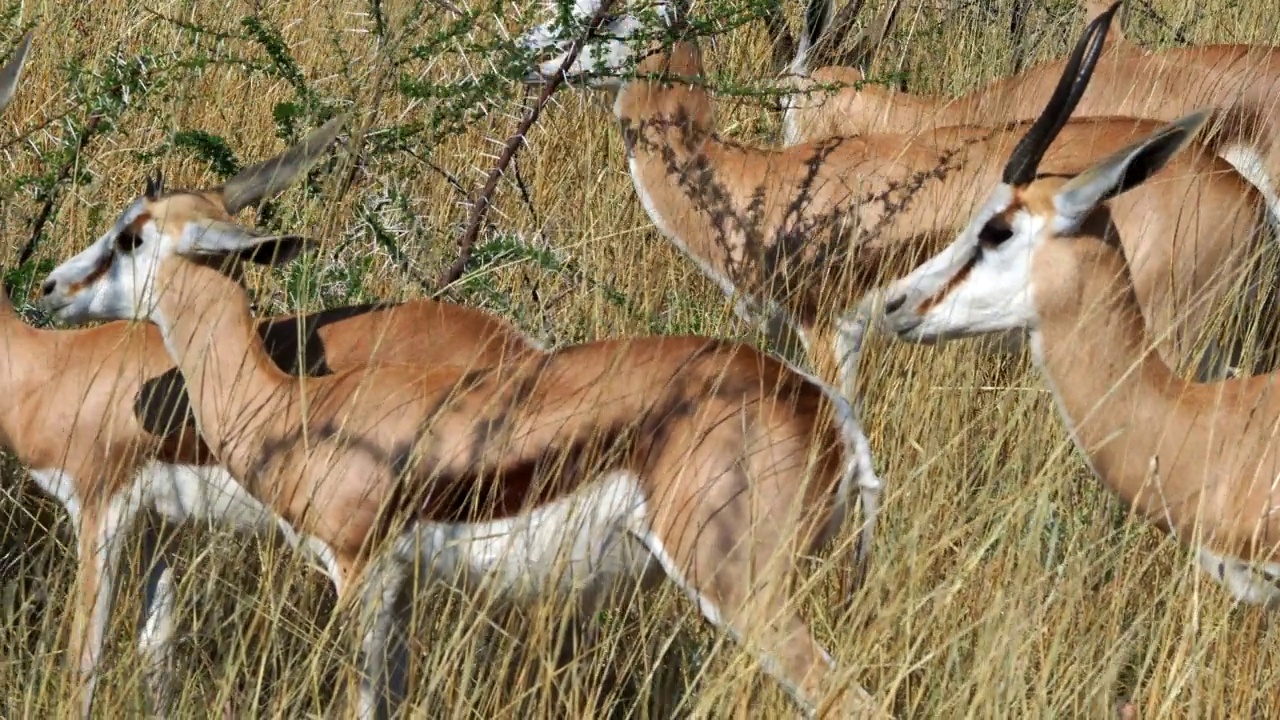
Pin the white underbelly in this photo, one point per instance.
(203, 492)
(209, 494)
(180, 493)
(580, 544)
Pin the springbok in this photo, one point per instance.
(800, 236)
(596, 466)
(830, 95)
(1043, 254)
(99, 416)
(1241, 83)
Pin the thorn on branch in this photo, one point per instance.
(51, 196)
(480, 208)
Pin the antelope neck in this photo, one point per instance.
(209, 330)
(690, 183)
(657, 112)
(23, 364)
(1121, 402)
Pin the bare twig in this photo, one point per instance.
(525, 195)
(51, 197)
(450, 7)
(449, 177)
(28, 134)
(523, 187)
(481, 206)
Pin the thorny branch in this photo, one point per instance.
(64, 174)
(1178, 31)
(481, 206)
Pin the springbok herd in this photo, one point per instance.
(379, 439)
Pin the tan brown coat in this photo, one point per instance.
(76, 409)
(814, 227)
(712, 433)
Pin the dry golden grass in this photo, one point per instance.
(1006, 581)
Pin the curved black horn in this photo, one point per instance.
(1026, 156)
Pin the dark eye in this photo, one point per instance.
(128, 240)
(994, 233)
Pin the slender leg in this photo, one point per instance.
(870, 488)
(397, 650)
(99, 540)
(377, 611)
(850, 334)
(759, 617)
(155, 632)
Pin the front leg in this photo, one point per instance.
(99, 539)
(851, 331)
(155, 630)
(851, 334)
(376, 612)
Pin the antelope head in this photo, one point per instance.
(1002, 270)
(114, 278)
(605, 59)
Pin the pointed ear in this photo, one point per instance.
(155, 186)
(268, 178)
(1124, 169)
(12, 72)
(220, 239)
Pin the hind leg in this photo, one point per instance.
(753, 610)
(850, 333)
(156, 623)
(377, 613)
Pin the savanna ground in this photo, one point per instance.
(1006, 581)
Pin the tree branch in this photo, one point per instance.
(480, 208)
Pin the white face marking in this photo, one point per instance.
(971, 287)
(603, 60)
(113, 278)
